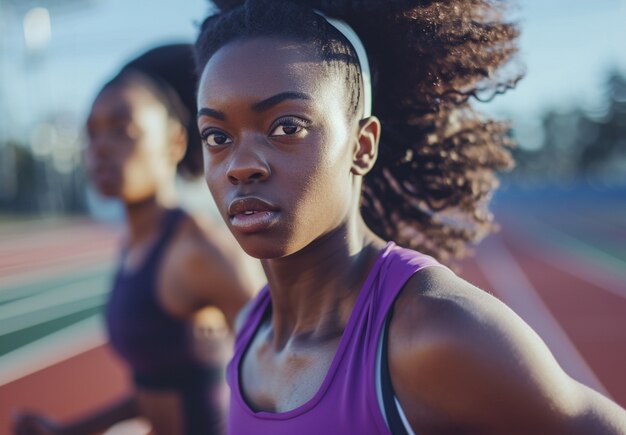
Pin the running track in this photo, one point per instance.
(559, 263)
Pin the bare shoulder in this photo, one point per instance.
(202, 267)
(444, 323)
(437, 303)
(214, 241)
(201, 236)
(194, 250)
(459, 358)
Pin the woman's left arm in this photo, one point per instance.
(460, 360)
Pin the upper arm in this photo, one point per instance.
(459, 358)
(201, 272)
(208, 278)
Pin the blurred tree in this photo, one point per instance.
(34, 184)
(579, 147)
(22, 193)
(607, 153)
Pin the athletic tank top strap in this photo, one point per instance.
(400, 266)
(257, 310)
(392, 415)
(171, 221)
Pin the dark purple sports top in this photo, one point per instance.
(158, 347)
(149, 339)
(346, 402)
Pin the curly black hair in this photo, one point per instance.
(438, 155)
(169, 73)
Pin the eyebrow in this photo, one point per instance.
(261, 106)
(270, 102)
(205, 111)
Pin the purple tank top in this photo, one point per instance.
(346, 402)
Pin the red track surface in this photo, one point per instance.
(77, 385)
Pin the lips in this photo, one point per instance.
(250, 205)
(252, 214)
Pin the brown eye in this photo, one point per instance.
(215, 139)
(289, 126)
(286, 130)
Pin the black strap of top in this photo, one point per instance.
(396, 426)
(168, 228)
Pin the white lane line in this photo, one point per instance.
(52, 349)
(34, 310)
(40, 286)
(510, 283)
(561, 251)
(602, 256)
(575, 264)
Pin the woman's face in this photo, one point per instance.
(127, 153)
(278, 144)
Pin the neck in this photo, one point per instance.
(144, 217)
(314, 290)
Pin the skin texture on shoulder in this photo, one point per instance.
(204, 267)
(463, 362)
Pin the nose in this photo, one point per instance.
(247, 165)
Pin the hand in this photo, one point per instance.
(33, 424)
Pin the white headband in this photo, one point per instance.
(349, 33)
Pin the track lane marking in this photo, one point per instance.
(510, 283)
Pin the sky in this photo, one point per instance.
(88, 45)
(567, 46)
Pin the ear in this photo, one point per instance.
(177, 142)
(366, 147)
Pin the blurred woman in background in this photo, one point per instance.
(141, 130)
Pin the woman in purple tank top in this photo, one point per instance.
(355, 335)
(173, 266)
